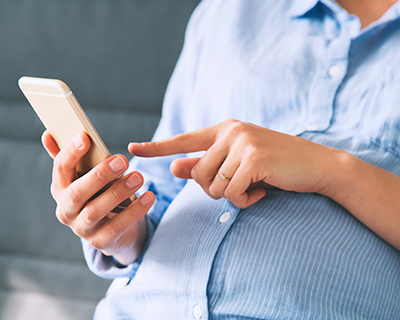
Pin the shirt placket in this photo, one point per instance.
(332, 71)
(219, 224)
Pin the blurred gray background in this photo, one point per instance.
(117, 57)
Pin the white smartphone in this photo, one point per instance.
(64, 118)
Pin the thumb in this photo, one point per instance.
(182, 168)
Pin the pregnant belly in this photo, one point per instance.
(302, 256)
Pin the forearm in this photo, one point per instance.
(370, 193)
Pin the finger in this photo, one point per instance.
(114, 228)
(83, 189)
(194, 141)
(238, 190)
(207, 167)
(50, 144)
(64, 170)
(101, 206)
(182, 168)
(224, 176)
(249, 198)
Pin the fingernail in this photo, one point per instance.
(146, 199)
(133, 181)
(137, 144)
(78, 141)
(117, 164)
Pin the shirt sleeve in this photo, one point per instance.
(156, 172)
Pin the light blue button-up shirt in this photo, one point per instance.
(301, 67)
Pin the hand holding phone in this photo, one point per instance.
(92, 218)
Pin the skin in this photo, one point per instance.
(120, 236)
(368, 11)
(251, 155)
(254, 157)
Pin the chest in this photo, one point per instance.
(300, 76)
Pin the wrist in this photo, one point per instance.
(124, 257)
(368, 192)
(339, 175)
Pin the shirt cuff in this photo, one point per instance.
(109, 268)
(105, 266)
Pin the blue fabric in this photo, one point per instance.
(300, 67)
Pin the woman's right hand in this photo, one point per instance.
(123, 235)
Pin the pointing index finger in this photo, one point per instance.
(198, 140)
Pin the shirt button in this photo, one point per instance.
(225, 217)
(335, 71)
(197, 312)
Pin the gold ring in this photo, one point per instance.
(223, 176)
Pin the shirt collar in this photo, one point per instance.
(301, 7)
(392, 14)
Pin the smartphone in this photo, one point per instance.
(64, 118)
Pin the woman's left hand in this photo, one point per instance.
(242, 158)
